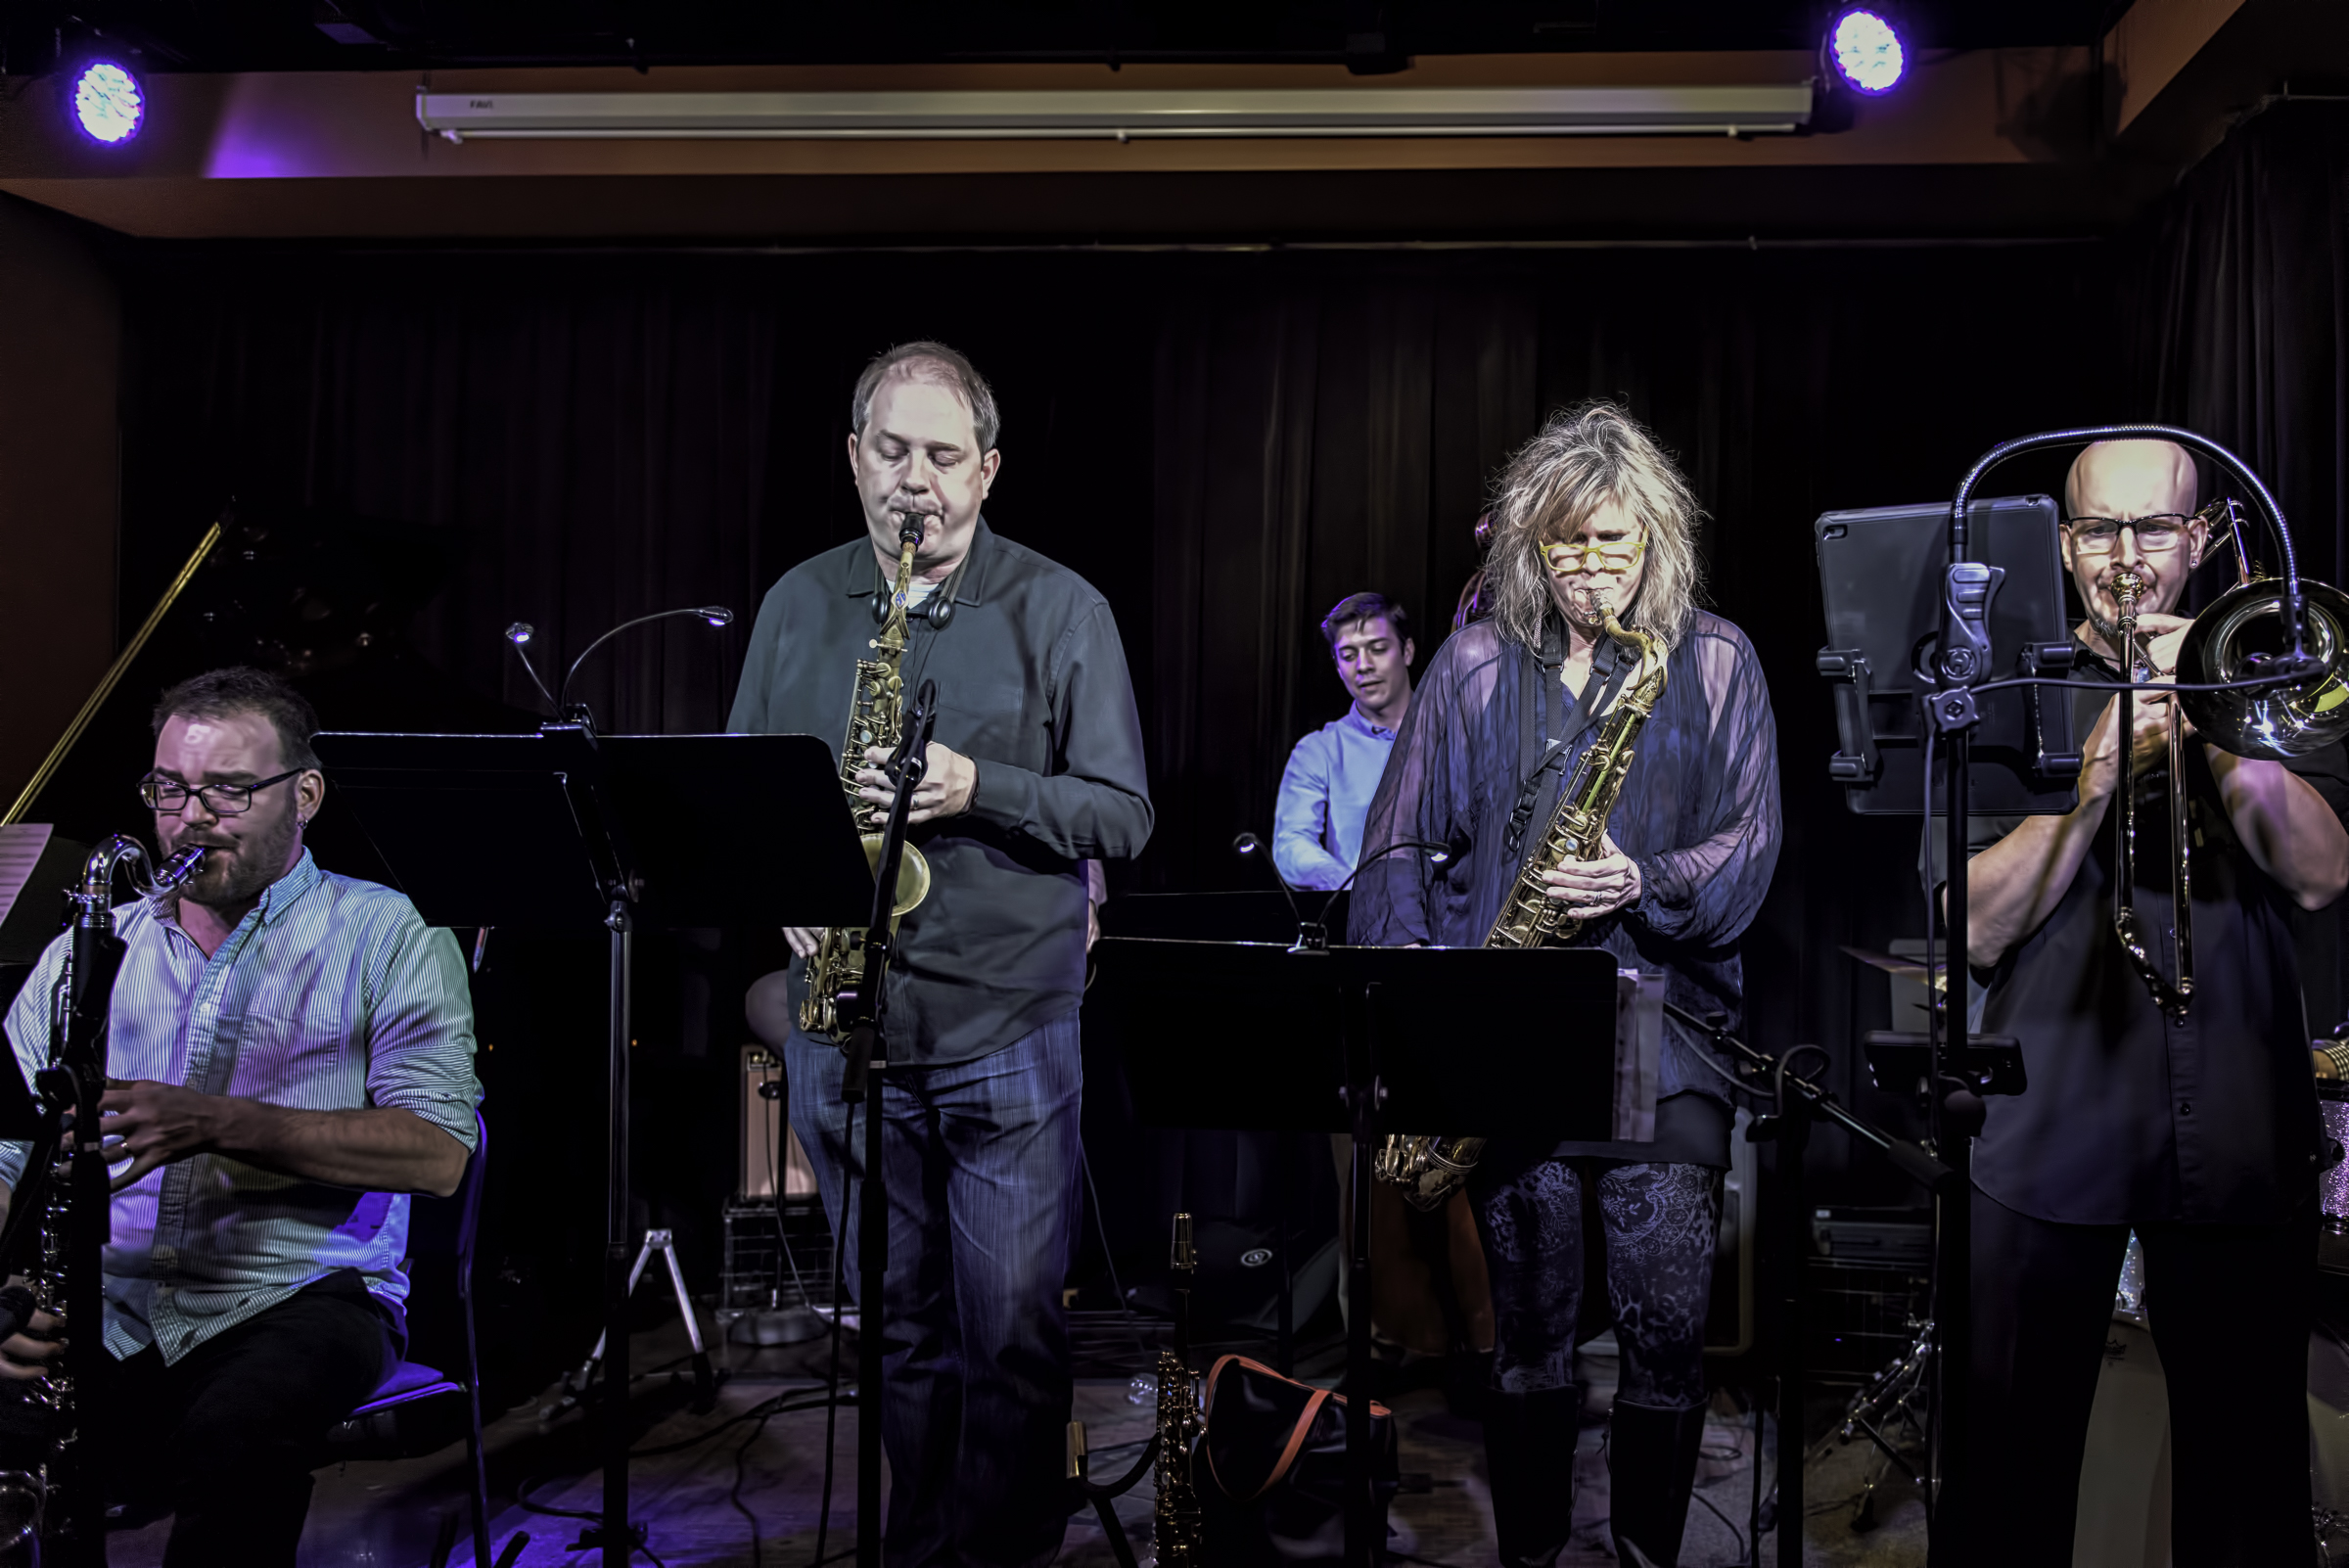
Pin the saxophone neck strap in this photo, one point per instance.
(1540, 688)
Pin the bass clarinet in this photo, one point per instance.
(64, 1506)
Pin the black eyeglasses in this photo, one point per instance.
(161, 794)
(2155, 534)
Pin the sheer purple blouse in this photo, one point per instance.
(1698, 812)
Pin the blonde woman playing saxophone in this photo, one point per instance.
(1592, 515)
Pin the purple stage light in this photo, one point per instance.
(108, 104)
(1866, 51)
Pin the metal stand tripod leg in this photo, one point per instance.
(704, 1377)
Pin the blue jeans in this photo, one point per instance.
(980, 1162)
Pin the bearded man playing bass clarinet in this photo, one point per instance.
(1592, 515)
(292, 1054)
(2198, 1129)
(1036, 768)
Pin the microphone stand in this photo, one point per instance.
(1797, 1102)
(864, 1043)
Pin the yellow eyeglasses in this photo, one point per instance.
(1614, 556)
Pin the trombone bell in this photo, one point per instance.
(2227, 642)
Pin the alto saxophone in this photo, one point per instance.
(1430, 1168)
(62, 1505)
(876, 717)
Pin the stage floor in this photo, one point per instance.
(396, 1514)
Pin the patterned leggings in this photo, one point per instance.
(1658, 1221)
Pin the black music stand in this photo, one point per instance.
(567, 830)
(1259, 1036)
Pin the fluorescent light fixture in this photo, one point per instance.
(1776, 108)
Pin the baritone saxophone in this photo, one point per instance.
(1429, 1168)
(876, 717)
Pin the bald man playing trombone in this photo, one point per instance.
(2194, 1126)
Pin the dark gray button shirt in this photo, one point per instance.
(2131, 1116)
(1033, 687)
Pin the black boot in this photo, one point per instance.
(1651, 1469)
(1529, 1453)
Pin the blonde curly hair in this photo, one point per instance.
(1585, 457)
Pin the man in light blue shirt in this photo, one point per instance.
(1325, 791)
(290, 1056)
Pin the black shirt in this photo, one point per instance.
(1033, 687)
(2132, 1117)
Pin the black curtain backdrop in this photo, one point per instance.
(2238, 326)
(1223, 444)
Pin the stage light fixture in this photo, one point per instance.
(109, 103)
(1867, 52)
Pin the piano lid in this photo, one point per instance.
(324, 598)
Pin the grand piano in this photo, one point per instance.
(324, 598)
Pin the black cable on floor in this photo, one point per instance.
(734, 1498)
(1101, 1228)
(762, 1412)
(1724, 1519)
(522, 1495)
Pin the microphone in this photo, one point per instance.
(1248, 844)
(521, 631)
(1437, 854)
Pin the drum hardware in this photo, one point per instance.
(1899, 1394)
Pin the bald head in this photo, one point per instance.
(2126, 481)
(2130, 480)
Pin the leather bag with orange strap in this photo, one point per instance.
(1271, 1471)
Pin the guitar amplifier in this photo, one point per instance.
(772, 1162)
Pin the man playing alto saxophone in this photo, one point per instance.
(1036, 768)
(1591, 514)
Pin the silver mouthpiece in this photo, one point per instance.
(174, 872)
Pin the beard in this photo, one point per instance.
(239, 876)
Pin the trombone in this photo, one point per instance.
(2233, 641)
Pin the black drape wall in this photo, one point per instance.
(1327, 424)
(1224, 443)
(2238, 311)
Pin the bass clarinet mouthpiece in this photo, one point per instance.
(175, 871)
